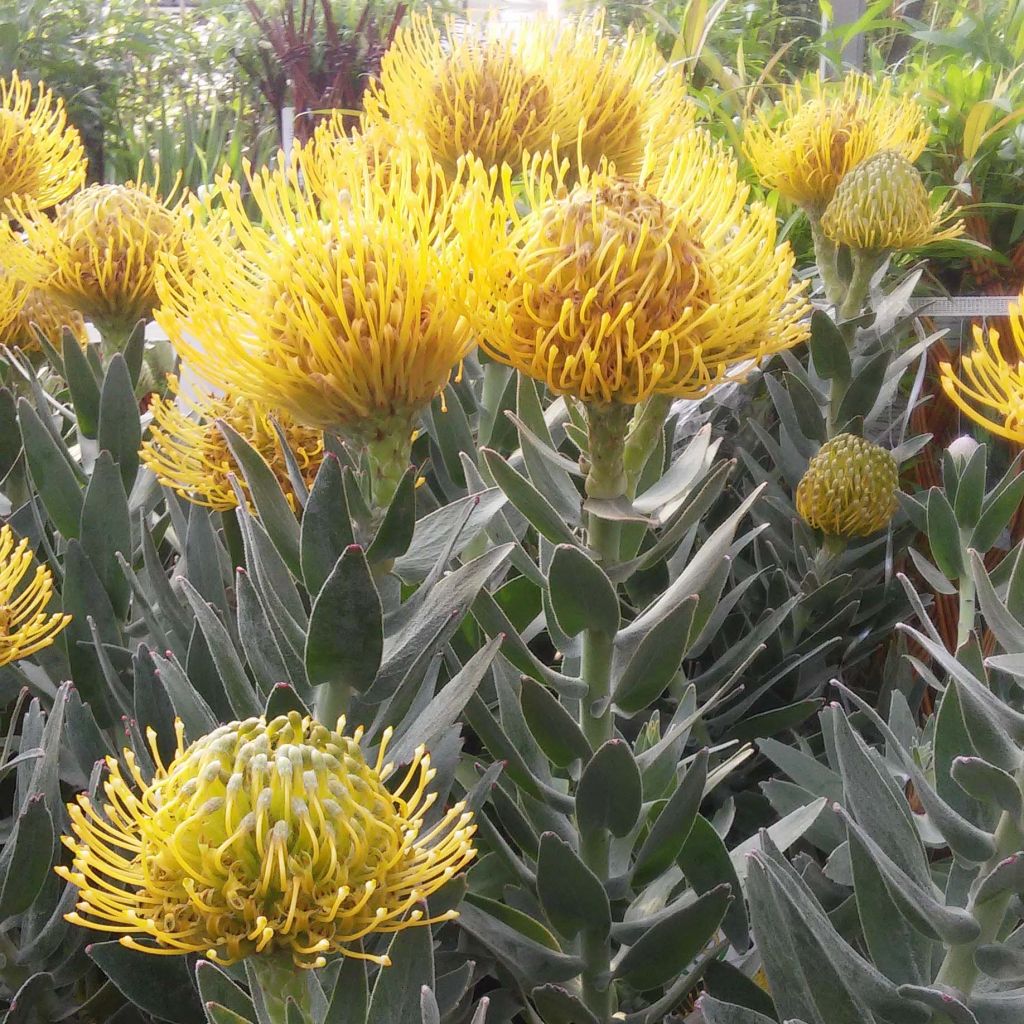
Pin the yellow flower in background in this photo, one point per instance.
(826, 130)
(41, 155)
(882, 204)
(25, 626)
(100, 251)
(612, 290)
(624, 95)
(25, 310)
(470, 89)
(849, 489)
(188, 453)
(989, 388)
(263, 837)
(352, 322)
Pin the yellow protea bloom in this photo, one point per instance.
(849, 489)
(263, 837)
(613, 290)
(622, 92)
(882, 204)
(827, 130)
(469, 89)
(989, 388)
(25, 626)
(41, 155)
(100, 251)
(188, 453)
(25, 310)
(346, 315)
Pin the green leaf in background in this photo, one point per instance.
(570, 893)
(55, 480)
(828, 348)
(120, 429)
(554, 729)
(159, 985)
(582, 596)
(944, 535)
(346, 626)
(610, 792)
(27, 858)
(106, 530)
(326, 525)
(395, 532)
(82, 383)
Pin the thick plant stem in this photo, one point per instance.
(965, 613)
(825, 255)
(647, 425)
(388, 451)
(598, 726)
(864, 265)
(495, 381)
(959, 970)
(606, 479)
(279, 981)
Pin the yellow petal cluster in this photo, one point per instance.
(498, 91)
(826, 130)
(348, 314)
(849, 489)
(25, 626)
(989, 387)
(100, 251)
(41, 155)
(24, 310)
(882, 204)
(188, 453)
(613, 290)
(263, 837)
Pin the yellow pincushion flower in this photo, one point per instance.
(469, 90)
(826, 131)
(882, 204)
(624, 95)
(25, 626)
(25, 310)
(612, 290)
(263, 837)
(100, 251)
(41, 155)
(989, 387)
(849, 489)
(351, 322)
(188, 453)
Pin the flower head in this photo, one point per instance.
(613, 290)
(347, 315)
(262, 837)
(883, 204)
(41, 155)
(826, 131)
(990, 387)
(188, 453)
(25, 627)
(100, 251)
(627, 100)
(469, 90)
(26, 310)
(849, 489)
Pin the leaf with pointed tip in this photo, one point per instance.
(345, 642)
(85, 391)
(528, 500)
(944, 535)
(610, 791)
(159, 985)
(829, 353)
(572, 896)
(396, 531)
(326, 527)
(582, 596)
(555, 730)
(27, 857)
(54, 479)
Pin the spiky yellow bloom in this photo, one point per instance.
(624, 95)
(849, 489)
(347, 315)
(989, 388)
(25, 626)
(100, 251)
(468, 89)
(614, 290)
(499, 91)
(828, 129)
(882, 204)
(41, 155)
(25, 310)
(263, 837)
(188, 453)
